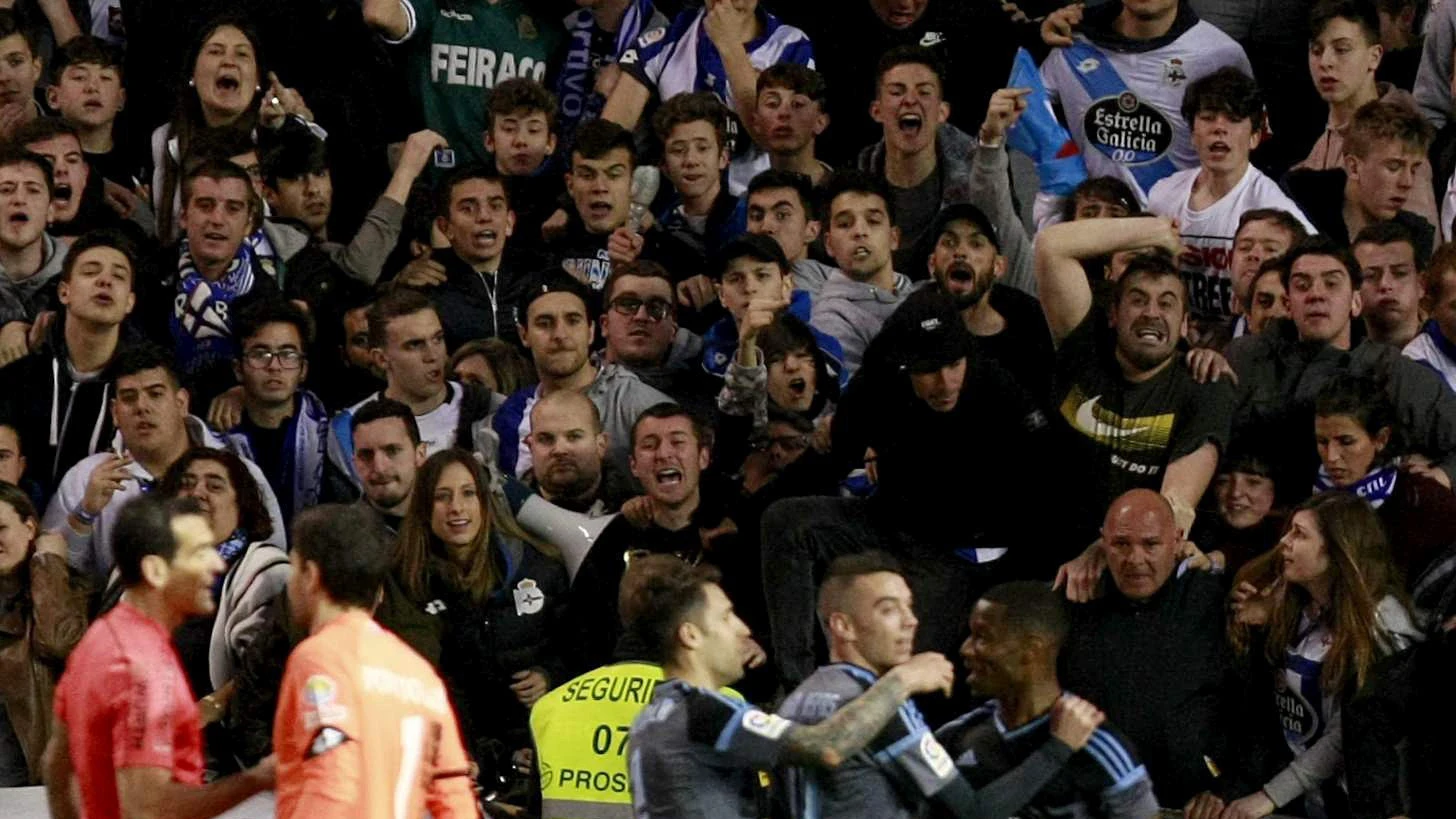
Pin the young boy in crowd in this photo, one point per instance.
(1436, 345)
(22, 74)
(781, 206)
(1225, 114)
(789, 117)
(754, 284)
(522, 135)
(88, 92)
(702, 215)
(30, 258)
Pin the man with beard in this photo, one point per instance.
(567, 448)
(670, 451)
(1008, 324)
(557, 327)
(1131, 413)
(639, 324)
(1390, 288)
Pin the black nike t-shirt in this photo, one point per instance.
(1117, 435)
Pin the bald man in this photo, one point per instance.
(568, 448)
(1150, 651)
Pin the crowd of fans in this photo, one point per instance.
(1034, 410)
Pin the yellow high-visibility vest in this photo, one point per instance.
(581, 729)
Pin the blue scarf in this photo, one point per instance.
(230, 550)
(201, 320)
(576, 87)
(1376, 487)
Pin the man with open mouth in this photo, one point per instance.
(29, 256)
(1225, 112)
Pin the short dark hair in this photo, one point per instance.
(1378, 120)
(786, 335)
(253, 516)
(1391, 232)
(401, 301)
(16, 154)
(799, 79)
(445, 190)
(1103, 189)
(293, 157)
(1031, 607)
(1150, 264)
(144, 528)
(252, 318)
(15, 497)
(641, 268)
(1362, 13)
(138, 358)
(1282, 218)
(41, 129)
(347, 544)
(842, 573)
(856, 181)
(218, 169)
(910, 55)
(84, 49)
(521, 95)
(382, 408)
(600, 137)
(101, 237)
(658, 594)
(1322, 245)
(1362, 398)
(10, 23)
(1227, 91)
(799, 183)
(701, 106)
(667, 409)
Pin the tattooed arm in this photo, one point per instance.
(831, 742)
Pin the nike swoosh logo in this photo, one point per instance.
(1088, 423)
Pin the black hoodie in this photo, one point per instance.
(61, 420)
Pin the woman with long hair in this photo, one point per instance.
(494, 596)
(1357, 435)
(42, 617)
(1335, 609)
(256, 572)
(225, 92)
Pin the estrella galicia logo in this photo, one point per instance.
(1127, 129)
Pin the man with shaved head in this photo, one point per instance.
(567, 451)
(1150, 650)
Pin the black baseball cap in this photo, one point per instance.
(753, 246)
(556, 281)
(926, 332)
(967, 212)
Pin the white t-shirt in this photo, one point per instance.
(1208, 234)
(1142, 127)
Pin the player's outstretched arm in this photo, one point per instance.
(57, 763)
(829, 743)
(151, 793)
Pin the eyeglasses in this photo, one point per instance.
(691, 559)
(260, 358)
(657, 309)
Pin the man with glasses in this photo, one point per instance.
(284, 428)
(642, 334)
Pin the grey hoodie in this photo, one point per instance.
(22, 300)
(810, 275)
(1433, 77)
(853, 312)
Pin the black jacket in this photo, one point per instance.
(476, 305)
(60, 420)
(1162, 671)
